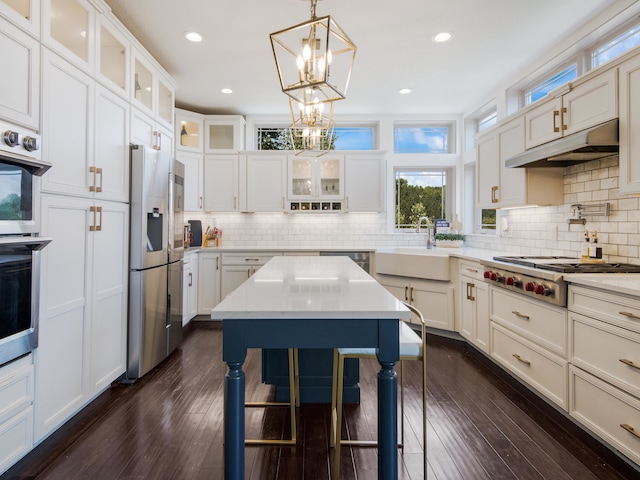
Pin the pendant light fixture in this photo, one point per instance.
(311, 131)
(316, 55)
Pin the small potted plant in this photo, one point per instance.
(451, 240)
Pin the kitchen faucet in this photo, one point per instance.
(426, 220)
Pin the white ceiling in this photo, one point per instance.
(493, 40)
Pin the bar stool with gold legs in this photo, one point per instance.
(412, 347)
(294, 401)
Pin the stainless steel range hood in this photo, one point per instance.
(593, 143)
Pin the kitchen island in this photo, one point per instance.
(310, 302)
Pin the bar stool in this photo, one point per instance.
(412, 347)
(294, 401)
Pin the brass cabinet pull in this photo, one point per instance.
(411, 296)
(556, 114)
(472, 270)
(494, 197)
(200, 201)
(251, 259)
(92, 227)
(520, 315)
(520, 359)
(92, 188)
(630, 429)
(630, 363)
(99, 172)
(99, 226)
(190, 279)
(563, 111)
(217, 263)
(406, 297)
(630, 315)
(470, 287)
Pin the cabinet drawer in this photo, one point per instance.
(471, 269)
(606, 411)
(16, 387)
(16, 438)
(607, 351)
(544, 324)
(619, 310)
(541, 369)
(248, 258)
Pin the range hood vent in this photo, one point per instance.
(594, 143)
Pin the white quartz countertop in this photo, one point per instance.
(300, 287)
(627, 283)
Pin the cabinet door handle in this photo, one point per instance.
(235, 203)
(200, 201)
(630, 429)
(251, 259)
(159, 141)
(406, 297)
(556, 114)
(520, 359)
(92, 227)
(411, 296)
(470, 287)
(99, 172)
(92, 188)
(190, 279)
(520, 315)
(494, 197)
(99, 226)
(472, 270)
(630, 363)
(217, 263)
(562, 112)
(630, 315)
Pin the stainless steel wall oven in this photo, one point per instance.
(21, 166)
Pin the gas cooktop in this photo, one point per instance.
(568, 264)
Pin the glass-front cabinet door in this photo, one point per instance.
(143, 84)
(316, 178)
(24, 13)
(113, 58)
(165, 103)
(189, 128)
(70, 25)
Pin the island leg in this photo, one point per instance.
(387, 422)
(234, 422)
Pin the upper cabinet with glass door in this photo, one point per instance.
(316, 178)
(189, 131)
(69, 30)
(152, 90)
(112, 58)
(224, 133)
(23, 13)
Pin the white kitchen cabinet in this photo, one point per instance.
(209, 278)
(146, 131)
(629, 126)
(83, 309)
(499, 186)
(190, 287)
(316, 178)
(365, 182)
(586, 104)
(433, 298)
(266, 176)
(221, 183)
(238, 267)
(85, 134)
(16, 410)
(20, 84)
(193, 180)
(112, 58)
(189, 131)
(474, 304)
(68, 28)
(152, 91)
(224, 133)
(24, 13)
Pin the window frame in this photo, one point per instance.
(451, 136)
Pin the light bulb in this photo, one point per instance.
(321, 65)
(329, 57)
(306, 52)
(300, 62)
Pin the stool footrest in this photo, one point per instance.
(267, 404)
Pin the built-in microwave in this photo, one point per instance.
(21, 167)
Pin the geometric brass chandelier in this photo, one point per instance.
(314, 61)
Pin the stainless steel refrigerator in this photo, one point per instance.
(155, 259)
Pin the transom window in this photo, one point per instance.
(541, 89)
(422, 139)
(613, 48)
(420, 193)
(345, 138)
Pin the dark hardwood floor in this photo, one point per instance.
(482, 425)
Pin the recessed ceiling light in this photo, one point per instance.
(404, 91)
(226, 91)
(193, 36)
(442, 37)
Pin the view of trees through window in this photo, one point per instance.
(419, 193)
(488, 221)
(343, 138)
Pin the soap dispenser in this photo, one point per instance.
(585, 246)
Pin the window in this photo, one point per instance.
(423, 139)
(420, 193)
(344, 138)
(488, 120)
(540, 90)
(487, 219)
(619, 45)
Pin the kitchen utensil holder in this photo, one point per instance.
(583, 211)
